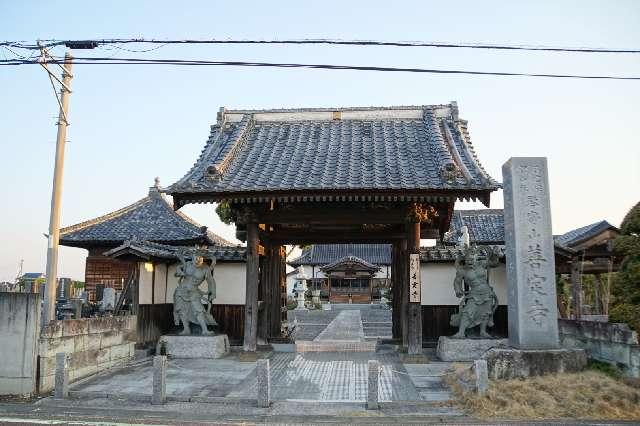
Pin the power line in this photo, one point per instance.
(322, 41)
(183, 62)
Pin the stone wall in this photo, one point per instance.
(19, 328)
(616, 344)
(93, 345)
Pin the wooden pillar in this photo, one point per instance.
(275, 296)
(414, 313)
(264, 293)
(251, 298)
(404, 291)
(396, 328)
(576, 289)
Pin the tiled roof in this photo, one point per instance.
(449, 253)
(350, 262)
(583, 233)
(323, 254)
(148, 250)
(485, 226)
(424, 148)
(151, 218)
(32, 275)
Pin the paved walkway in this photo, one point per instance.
(347, 326)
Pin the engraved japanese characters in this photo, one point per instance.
(530, 258)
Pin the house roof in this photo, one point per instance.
(485, 226)
(323, 254)
(449, 253)
(151, 218)
(148, 250)
(351, 263)
(255, 155)
(576, 236)
(32, 275)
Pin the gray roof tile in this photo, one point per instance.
(486, 226)
(323, 254)
(151, 218)
(149, 249)
(576, 236)
(297, 154)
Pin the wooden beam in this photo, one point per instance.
(414, 313)
(576, 289)
(251, 298)
(404, 291)
(396, 327)
(274, 301)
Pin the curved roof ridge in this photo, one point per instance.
(350, 259)
(462, 127)
(105, 217)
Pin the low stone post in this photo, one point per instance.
(61, 386)
(372, 388)
(482, 375)
(263, 374)
(159, 395)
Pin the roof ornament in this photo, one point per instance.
(449, 173)
(463, 239)
(156, 182)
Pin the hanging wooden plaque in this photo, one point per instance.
(414, 278)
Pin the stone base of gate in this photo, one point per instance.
(194, 346)
(513, 363)
(450, 349)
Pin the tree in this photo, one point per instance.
(626, 286)
(224, 212)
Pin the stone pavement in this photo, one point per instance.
(376, 320)
(347, 326)
(191, 377)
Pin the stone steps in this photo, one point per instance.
(335, 346)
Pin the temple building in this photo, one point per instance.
(387, 175)
(151, 218)
(346, 273)
(359, 187)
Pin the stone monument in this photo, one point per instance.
(533, 318)
(189, 307)
(531, 280)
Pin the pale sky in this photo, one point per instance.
(130, 124)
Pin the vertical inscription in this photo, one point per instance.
(530, 255)
(414, 278)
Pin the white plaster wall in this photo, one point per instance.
(146, 278)
(161, 284)
(437, 283)
(230, 284)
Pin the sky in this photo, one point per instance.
(130, 124)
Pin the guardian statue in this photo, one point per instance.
(188, 304)
(479, 301)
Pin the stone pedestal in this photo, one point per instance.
(513, 363)
(194, 346)
(466, 349)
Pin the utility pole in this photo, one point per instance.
(56, 193)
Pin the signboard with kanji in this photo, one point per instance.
(414, 278)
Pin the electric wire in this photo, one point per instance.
(189, 62)
(326, 41)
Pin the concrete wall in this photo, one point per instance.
(437, 283)
(616, 344)
(19, 331)
(93, 345)
(230, 283)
